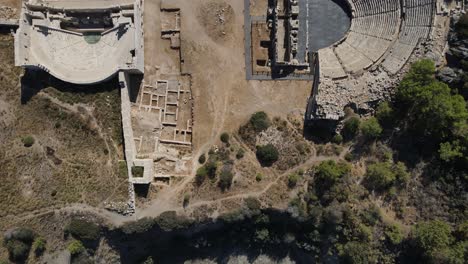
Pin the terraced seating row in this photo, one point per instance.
(373, 7)
(383, 25)
(374, 29)
(416, 26)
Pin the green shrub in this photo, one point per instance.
(137, 171)
(39, 245)
(18, 250)
(349, 157)
(211, 168)
(432, 236)
(240, 153)
(139, 226)
(83, 230)
(201, 175)
(371, 128)
(225, 179)
(169, 221)
(224, 137)
(293, 179)
(337, 139)
(186, 200)
(260, 121)
(123, 170)
(76, 247)
(385, 114)
(328, 172)
(351, 127)
(267, 155)
(382, 175)
(259, 177)
(462, 26)
(202, 159)
(28, 141)
(359, 253)
(393, 234)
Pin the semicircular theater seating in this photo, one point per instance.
(69, 57)
(384, 31)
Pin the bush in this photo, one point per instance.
(393, 234)
(169, 221)
(18, 250)
(186, 200)
(137, 171)
(462, 26)
(385, 114)
(382, 175)
(139, 226)
(240, 153)
(39, 245)
(83, 230)
(432, 236)
(259, 177)
(28, 141)
(328, 172)
(337, 139)
(123, 171)
(379, 176)
(211, 168)
(76, 247)
(225, 137)
(201, 175)
(267, 155)
(371, 128)
(260, 121)
(202, 159)
(225, 179)
(351, 127)
(357, 252)
(292, 180)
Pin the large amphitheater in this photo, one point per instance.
(361, 68)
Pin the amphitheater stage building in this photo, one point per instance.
(81, 42)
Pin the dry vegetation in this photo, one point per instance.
(77, 143)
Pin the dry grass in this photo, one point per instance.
(71, 160)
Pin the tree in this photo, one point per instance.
(359, 253)
(202, 159)
(462, 26)
(328, 172)
(260, 121)
(385, 114)
(380, 175)
(83, 230)
(432, 236)
(211, 168)
(267, 155)
(393, 234)
(17, 249)
(351, 127)
(224, 137)
(200, 176)
(293, 179)
(225, 179)
(371, 128)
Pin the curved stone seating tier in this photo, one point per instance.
(330, 65)
(373, 7)
(379, 32)
(69, 57)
